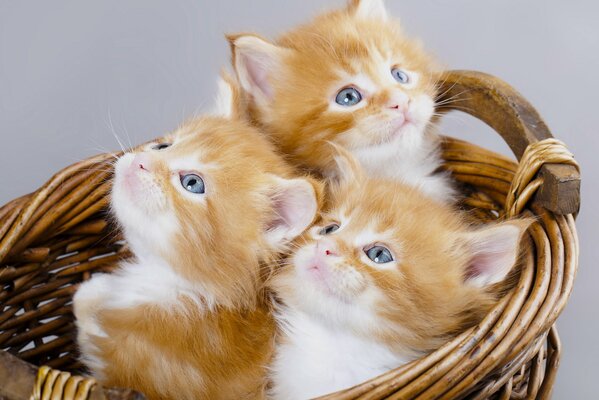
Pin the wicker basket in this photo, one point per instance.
(54, 238)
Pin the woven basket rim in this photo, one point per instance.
(515, 348)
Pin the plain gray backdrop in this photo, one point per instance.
(74, 73)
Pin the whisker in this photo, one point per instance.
(441, 84)
(111, 126)
(455, 97)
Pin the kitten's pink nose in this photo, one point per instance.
(326, 247)
(399, 101)
(399, 105)
(142, 161)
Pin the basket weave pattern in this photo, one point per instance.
(56, 237)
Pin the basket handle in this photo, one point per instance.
(506, 111)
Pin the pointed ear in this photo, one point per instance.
(493, 252)
(295, 204)
(368, 9)
(228, 102)
(347, 170)
(255, 61)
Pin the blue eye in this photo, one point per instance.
(379, 254)
(400, 76)
(193, 183)
(348, 97)
(327, 230)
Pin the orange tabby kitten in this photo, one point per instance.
(387, 276)
(204, 212)
(353, 78)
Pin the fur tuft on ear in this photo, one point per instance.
(255, 61)
(347, 169)
(368, 9)
(295, 204)
(493, 252)
(228, 98)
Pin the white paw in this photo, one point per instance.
(88, 300)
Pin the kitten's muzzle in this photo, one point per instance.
(326, 247)
(142, 161)
(399, 111)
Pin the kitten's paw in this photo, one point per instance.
(90, 298)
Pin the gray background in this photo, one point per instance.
(75, 73)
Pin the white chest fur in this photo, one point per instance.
(313, 359)
(409, 160)
(134, 284)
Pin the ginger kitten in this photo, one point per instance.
(205, 212)
(353, 78)
(387, 276)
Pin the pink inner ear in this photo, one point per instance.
(295, 209)
(484, 264)
(493, 254)
(258, 74)
(294, 204)
(281, 218)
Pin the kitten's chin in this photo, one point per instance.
(403, 135)
(397, 133)
(147, 232)
(329, 307)
(390, 134)
(141, 208)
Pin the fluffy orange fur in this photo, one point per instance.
(430, 291)
(304, 68)
(186, 353)
(215, 347)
